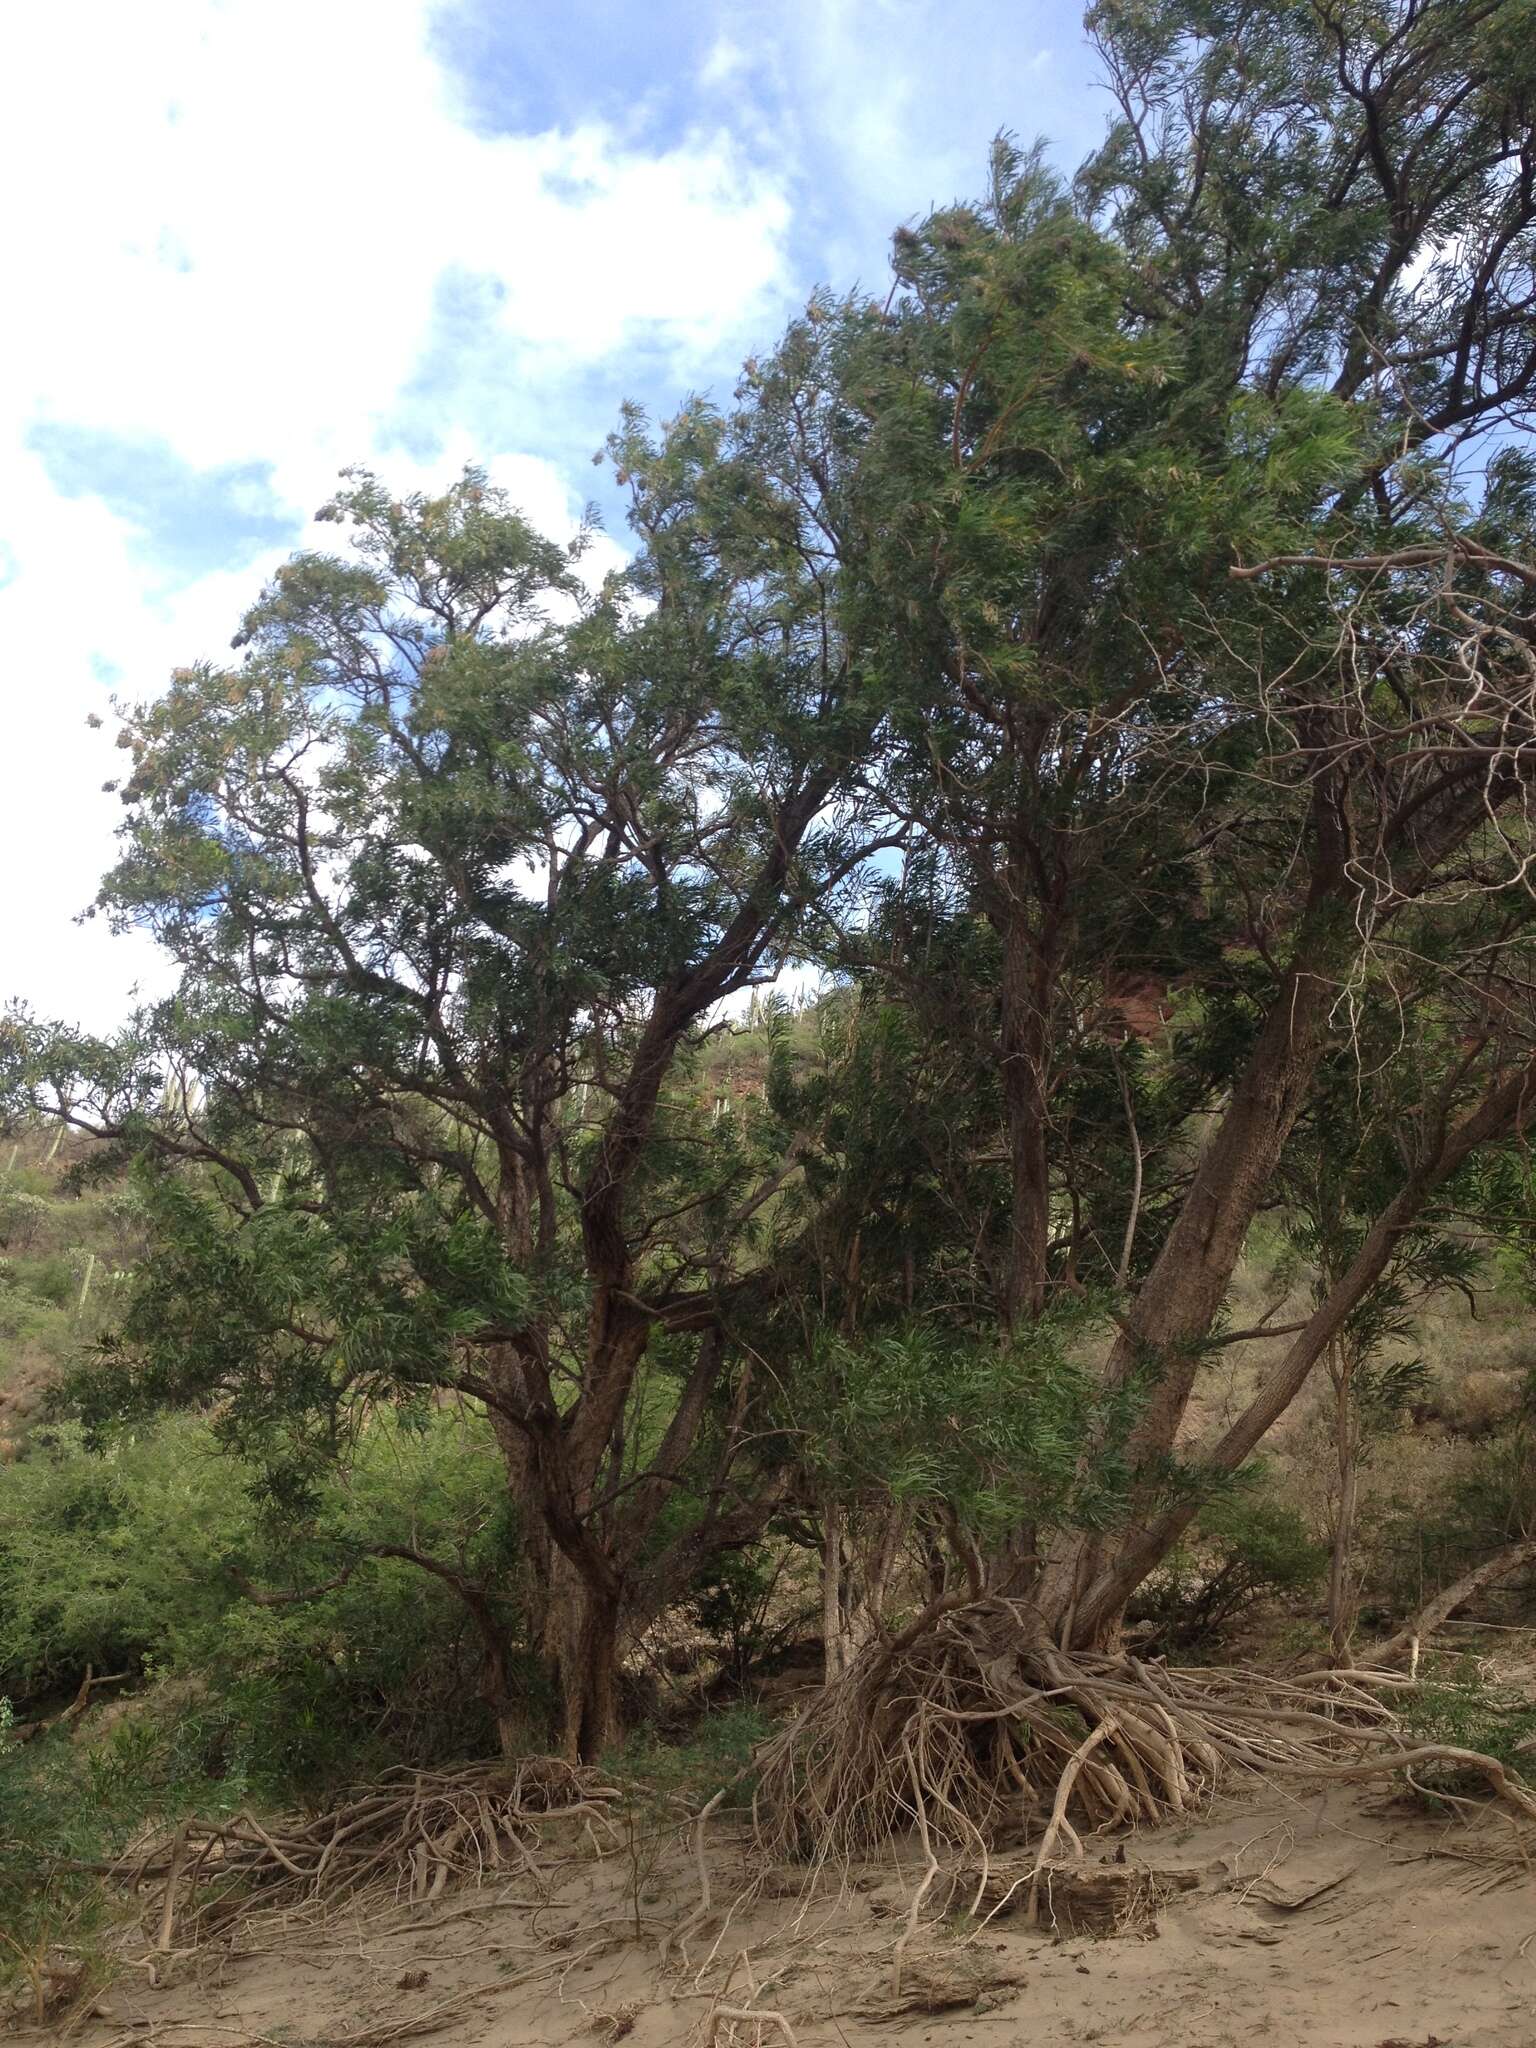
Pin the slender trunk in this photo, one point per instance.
(854, 1589)
(534, 1549)
(882, 1568)
(834, 1645)
(1192, 1273)
(1024, 1036)
(517, 1717)
(1340, 1608)
(1501, 1566)
(935, 1565)
(1190, 1277)
(573, 1635)
(1347, 1451)
(1188, 1283)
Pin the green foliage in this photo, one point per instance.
(1247, 1547)
(930, 666)
(996, 1433)
(1460, 1709)
(737, 1601)
(131, 1560)
(297, 1319)
(134, 1559)
(1486, 1501)
(716, 1755)
(22, 1216)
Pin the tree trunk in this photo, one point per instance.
(1025, 1031)
(882, 1567)
(1189, 1279)
(582, 1651)
(1165, 1331)
(1188, 1283)
(834, 1644)
(855, 1584)
(517, 1716)
(1347, 1447)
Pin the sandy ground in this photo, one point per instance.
(1329, 1919)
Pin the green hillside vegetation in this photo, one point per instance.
(64, 1255)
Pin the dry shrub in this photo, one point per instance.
(1481, 1401)
(409, 1837)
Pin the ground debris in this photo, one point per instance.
(407, 1838)
(1096, 1899)
(940, 1980)
(1291, 1890)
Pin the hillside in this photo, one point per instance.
(65, 1250)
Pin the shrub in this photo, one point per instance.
(1247, 1547)
(1459, 1709)
(52, 1279)
(126, 1560)
(22, 1216)
(1486, 1500)
(741, 1601)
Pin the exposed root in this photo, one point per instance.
(726, 2021)
(408, 1838)
(732, 2017)
(972, 1727)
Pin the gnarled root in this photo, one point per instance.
(972, 1725)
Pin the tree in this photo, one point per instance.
(1285, 783)
(458, 865)
(1294, 283)
(1118, 569)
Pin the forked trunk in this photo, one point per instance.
(574, 1633)
(1189, 1280)
(1164, 1334)
(1096, 1607)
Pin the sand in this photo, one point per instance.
(1328, 1918)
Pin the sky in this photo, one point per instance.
(248, 242)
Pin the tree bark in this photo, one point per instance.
(1027, 974)
(1190, 1277)
(834, 1646)
(1189, 1280)
(581, 1647)
(1347, 1449)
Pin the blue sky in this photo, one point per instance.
(264, 238)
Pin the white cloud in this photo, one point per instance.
(236, 217)
(240, 212)
(725, 60)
